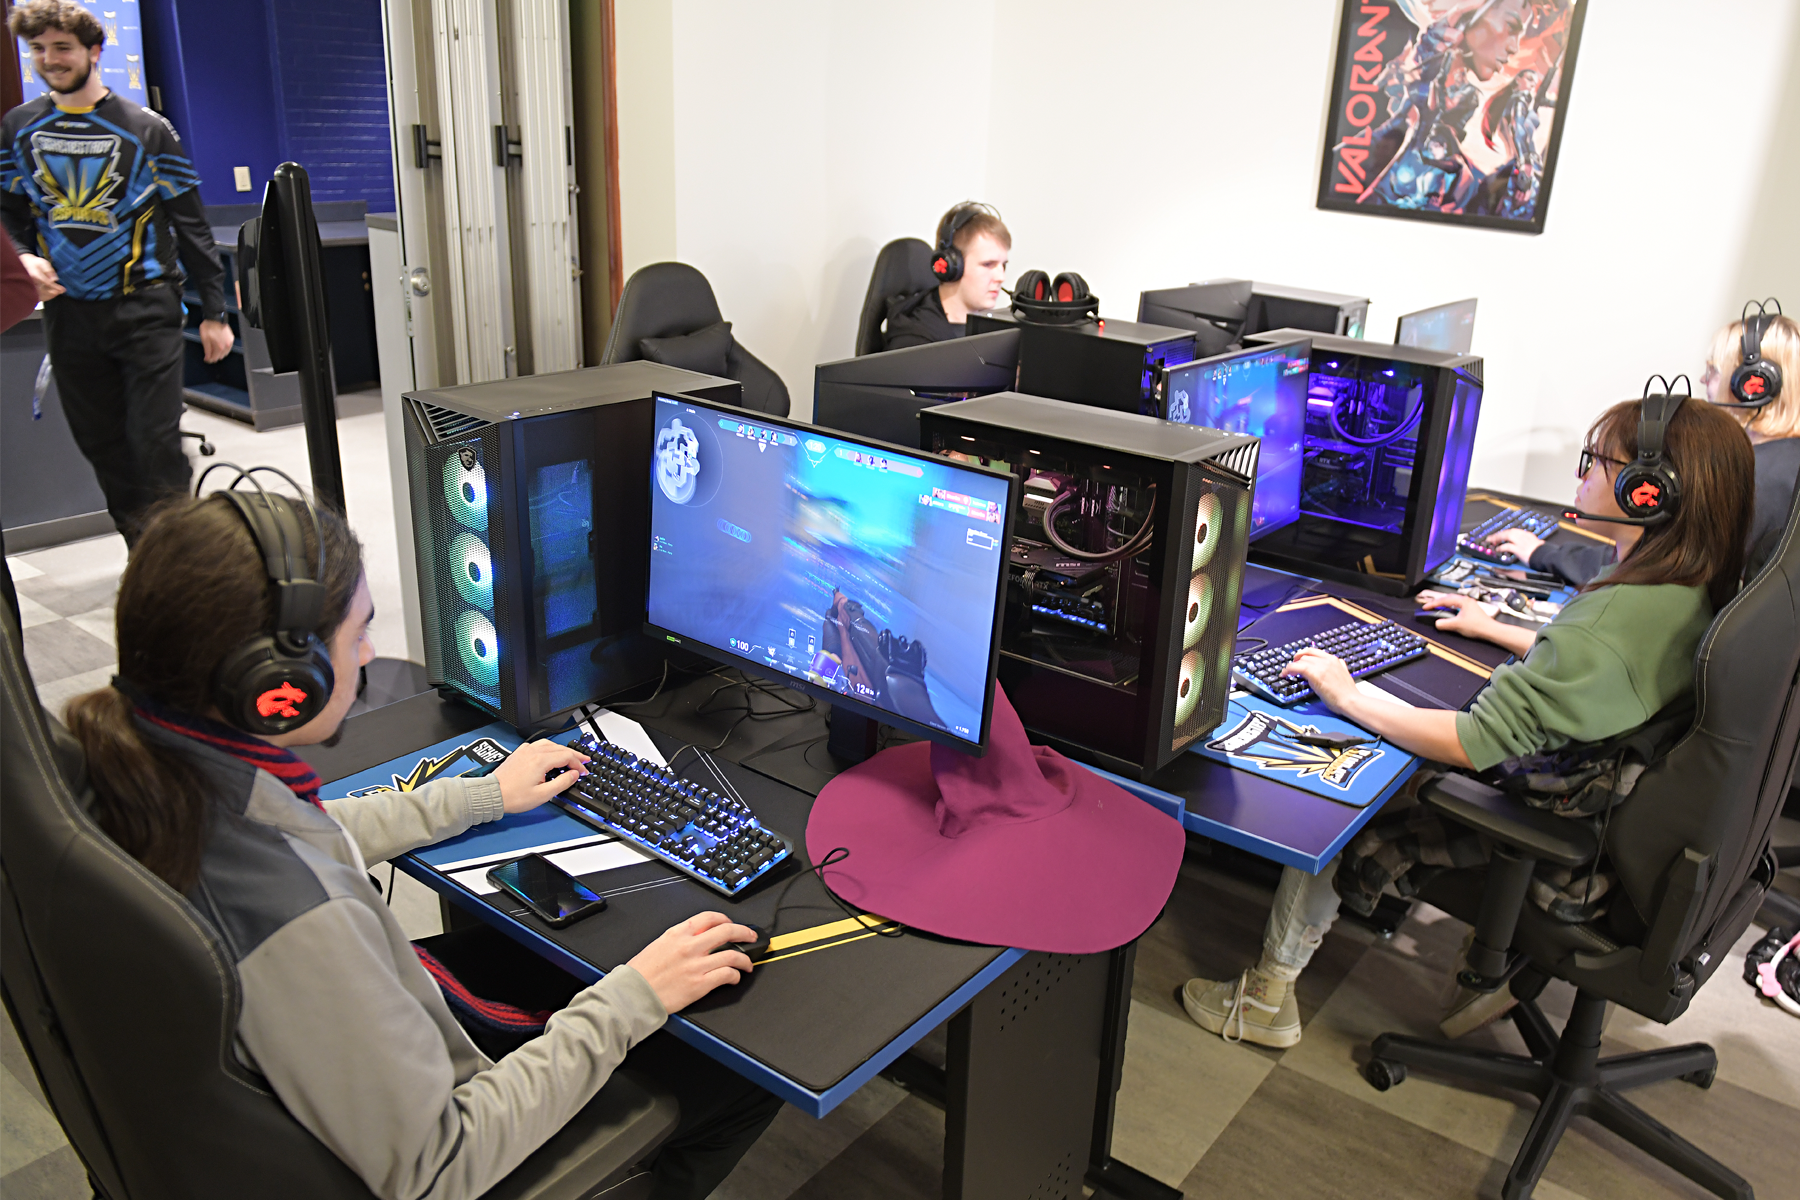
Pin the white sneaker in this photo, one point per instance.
(1254, 1007)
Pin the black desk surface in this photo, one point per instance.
(823, 1012)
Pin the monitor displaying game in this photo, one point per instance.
(1261, 391)
(1448, 328)
(860, 572)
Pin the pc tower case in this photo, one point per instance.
(1108, 364)
(1125, 565)
(1385, 462)
(531, 514)
(1275, 307)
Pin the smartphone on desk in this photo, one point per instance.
(546, 889)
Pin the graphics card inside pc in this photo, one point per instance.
(1390, 431)
(1125, 569)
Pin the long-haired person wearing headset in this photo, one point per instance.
(1753, 372)
(969, 262)
(242, 622)
(1672, 476)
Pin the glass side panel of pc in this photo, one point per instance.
(1261, 391)
(1448, 328)
(852, 569)
(1362, 440)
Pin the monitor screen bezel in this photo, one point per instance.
(1305, 345)
(1400, 325)
(975, 748)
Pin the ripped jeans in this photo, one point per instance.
(1305, 908)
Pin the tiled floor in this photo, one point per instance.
(1214, 1119)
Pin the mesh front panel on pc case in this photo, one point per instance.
(1126, 561)
(849, 568)
(529, 518)
(1261, 391)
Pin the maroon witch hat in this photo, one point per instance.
(1018, 848)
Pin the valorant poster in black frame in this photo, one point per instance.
(1450, 110)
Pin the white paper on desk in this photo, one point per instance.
(1369, 689)
(583, 860)
(627, 734)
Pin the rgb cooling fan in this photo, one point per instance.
(1206, 530)
(479, 647)
(1198, 613)
(465, 489)
(472, 569)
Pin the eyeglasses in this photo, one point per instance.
(1587, 462)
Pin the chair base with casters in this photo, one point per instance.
(206, 448)
(1519, 946)
(1570, 1079)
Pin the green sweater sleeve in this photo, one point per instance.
(1612, 660)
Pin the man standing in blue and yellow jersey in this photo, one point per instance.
(100, 199)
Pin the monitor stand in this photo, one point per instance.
(852, 736)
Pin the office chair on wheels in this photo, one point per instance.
(668, 314)
(1690, 847)
(901, 268)
(127, 1006)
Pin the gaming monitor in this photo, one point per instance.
(862, 573)
(1260, 391)
(1214, 310)
(1448, 328)
(880, 395)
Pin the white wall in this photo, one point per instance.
(1149, 144)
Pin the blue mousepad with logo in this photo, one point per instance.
(517, 832)
(1258, 736)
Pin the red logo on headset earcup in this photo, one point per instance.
(1753, 385)
(1647, 495)
(283, 701)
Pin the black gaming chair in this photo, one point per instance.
(902, 268)
(1691, 850)
(671, 300)
(126, 1004)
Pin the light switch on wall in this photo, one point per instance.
(241, 175)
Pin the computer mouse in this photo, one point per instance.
(755, 949)
(1434, 615)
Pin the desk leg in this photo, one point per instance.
(1025, 1069)
(1106, 1174)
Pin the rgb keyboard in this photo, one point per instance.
(1474, 542)
(713, 839)
(1365, 648)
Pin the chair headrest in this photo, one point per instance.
(665, 299)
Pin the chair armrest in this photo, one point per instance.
(1489, 810)
(620, 1126)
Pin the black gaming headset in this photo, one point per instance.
(1756, 381)
(276, 682)
(1064, 300)
(1647, 489)
(946, 259)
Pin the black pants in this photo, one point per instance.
(118, 366)
(722, 1113)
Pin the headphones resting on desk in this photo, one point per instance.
(1647, 490)
(1064, 300)
(1756, 381)
(276, 682)
(946, 259)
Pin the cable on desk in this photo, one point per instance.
(881, 927)
(1262, 643)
